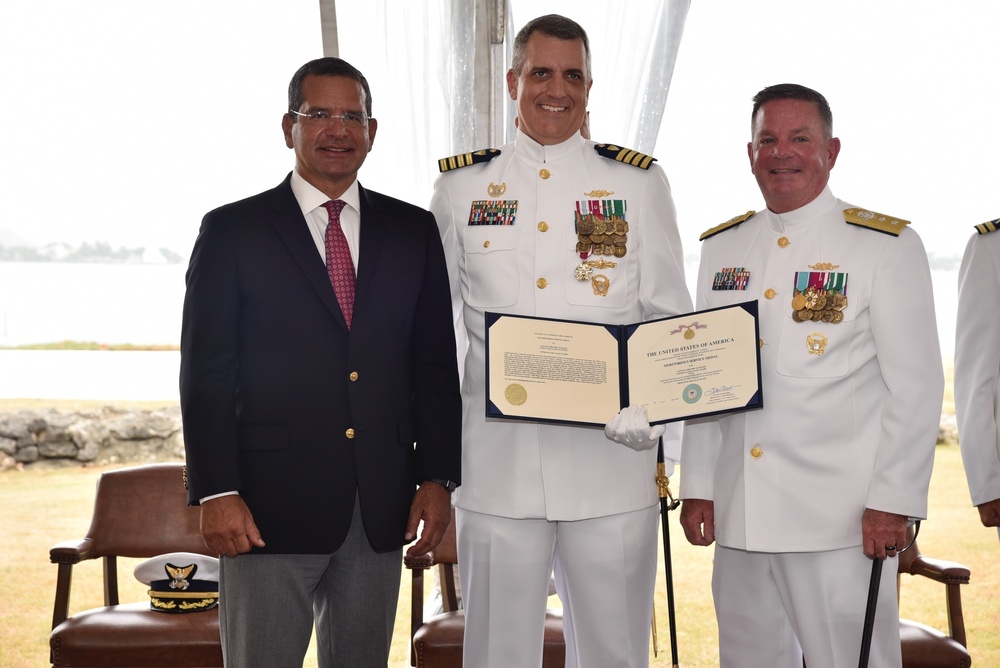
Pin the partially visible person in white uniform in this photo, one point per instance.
(508, 220)
(801, 495)
(977, 369)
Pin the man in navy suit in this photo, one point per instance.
(322, 423)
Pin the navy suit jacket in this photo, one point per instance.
(284, 404)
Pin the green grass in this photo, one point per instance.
(42, 507)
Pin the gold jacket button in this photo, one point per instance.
(769, 293)
(783, 242)
(756, 452)
(541, 283)
(543, 226)
(544, 173)
(349, 433)
(760, 343)
(353, 376)
(486, 244)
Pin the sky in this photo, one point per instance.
(125, 122)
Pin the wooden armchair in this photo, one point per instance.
(437, 642)
(138, 512)
(925, 646)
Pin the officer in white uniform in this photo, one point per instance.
(801, 495)
(977, 369)
(509, 222)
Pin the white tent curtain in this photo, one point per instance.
(428, 63)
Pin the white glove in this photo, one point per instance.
(631, 428)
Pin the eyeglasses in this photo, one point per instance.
(350, 119)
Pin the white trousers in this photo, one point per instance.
(773, 609)
(607, 572)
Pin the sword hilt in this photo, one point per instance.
(663, 484)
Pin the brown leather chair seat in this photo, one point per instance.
(437, 642)
(139, 512)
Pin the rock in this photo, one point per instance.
(105, 436)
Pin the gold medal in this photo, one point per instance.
(798, 302)
(600, 283)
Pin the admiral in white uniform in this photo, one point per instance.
(517, 223)
(977, 369)
(801, 495)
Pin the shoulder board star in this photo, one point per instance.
(875, 221)
(626, 155)
(466, 159)
(988, 226)
(732, 222)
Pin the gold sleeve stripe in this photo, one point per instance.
(988, 226)
(466, 159)
(625, 155)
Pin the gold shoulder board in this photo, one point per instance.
(875, 221)
(732, 222)
(988, 226)
(626, 155)
(466, 159)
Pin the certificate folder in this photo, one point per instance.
(571, 372)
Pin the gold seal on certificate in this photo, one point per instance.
(583, 373)
(515, 394)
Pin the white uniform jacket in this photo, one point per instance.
(528, 470)
(977, 365)
(850, 428)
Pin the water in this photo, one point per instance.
(43, 302)
(141, 304)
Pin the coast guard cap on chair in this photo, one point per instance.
(180, 581)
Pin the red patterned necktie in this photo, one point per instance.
(339, 265)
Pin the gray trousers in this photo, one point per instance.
(268, 604)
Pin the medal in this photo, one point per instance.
(585, 270)
(601, 229)
(816, 343)
(819, 296)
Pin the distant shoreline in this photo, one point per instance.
(92, 345)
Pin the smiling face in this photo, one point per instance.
(551, 89)
(791, 153)
(329, 154)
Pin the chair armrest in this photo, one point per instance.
(422, 563)
(71, 551)
(940, 570)
(65, 554)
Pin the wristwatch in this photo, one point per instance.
(449, 485)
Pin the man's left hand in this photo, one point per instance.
(631, 429)
(883, 534)
(989, 513)
(432, 504)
